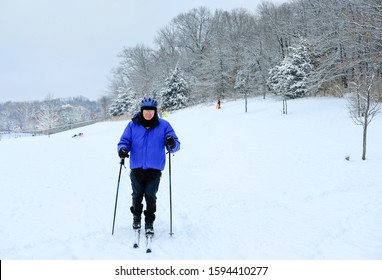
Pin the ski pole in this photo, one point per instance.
(122, 162)
(169, 179)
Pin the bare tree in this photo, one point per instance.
(193, 31)
(244, 83)
(136, 69)
(22, 114)
(104, 102)
(49, 114)
(364, 105)
(168, 55)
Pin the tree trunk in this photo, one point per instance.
(285, 106)
(246, 101)
(366, 123)
(364, 141)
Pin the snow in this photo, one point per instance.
(255, 185)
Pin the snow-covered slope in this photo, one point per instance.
(255, 185)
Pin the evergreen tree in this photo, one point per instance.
(123, 103)
(175, 94)
(289, 79)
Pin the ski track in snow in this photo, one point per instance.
(255, 185)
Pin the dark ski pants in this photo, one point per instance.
(145, 184)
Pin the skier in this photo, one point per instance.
(146, 137)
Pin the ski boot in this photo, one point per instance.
(149, 229)
(136, 222)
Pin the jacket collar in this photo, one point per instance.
(138, 119)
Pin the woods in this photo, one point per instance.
(296, 49)
(48, 116)
(218, 51)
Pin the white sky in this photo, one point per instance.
(68, 48)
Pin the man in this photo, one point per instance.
(146, 138)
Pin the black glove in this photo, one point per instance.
(123, 153)
(170, 142)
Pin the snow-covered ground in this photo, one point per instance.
(255, 185)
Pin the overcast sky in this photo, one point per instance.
(67, 48)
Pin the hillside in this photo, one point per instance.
(255, 185)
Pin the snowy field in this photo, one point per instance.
(255, 185)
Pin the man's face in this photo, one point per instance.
(148, 114)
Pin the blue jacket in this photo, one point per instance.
(147, 146)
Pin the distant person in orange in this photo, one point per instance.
(218, 104)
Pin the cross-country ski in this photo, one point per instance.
(137, 236)
(149, 239)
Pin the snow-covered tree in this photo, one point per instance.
(49, 114)
(70, 114)
(123, 103)
(245, 81)
(104, 102)
(289, 79)
(175, 94)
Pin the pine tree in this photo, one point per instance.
(123, 103)
(289, 79)
(175, 94)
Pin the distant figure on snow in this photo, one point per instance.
(78, 135)
(218, 104)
